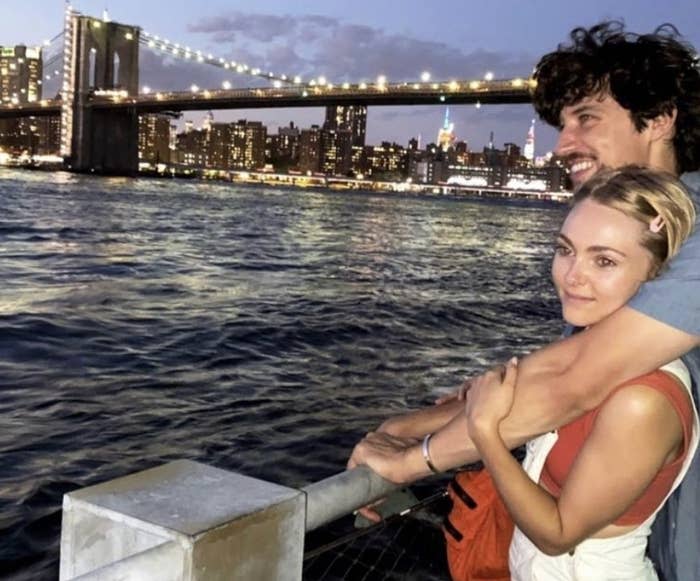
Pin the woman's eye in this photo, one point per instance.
(604, 261)
(562, 250)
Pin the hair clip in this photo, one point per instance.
(656, 224)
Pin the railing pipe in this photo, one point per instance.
(340, 494)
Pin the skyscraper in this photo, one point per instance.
(20, 74)
(446, 134)
(529, 149)
(348, 117)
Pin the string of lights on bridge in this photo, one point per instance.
(163, 45)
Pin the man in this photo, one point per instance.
(617, 99)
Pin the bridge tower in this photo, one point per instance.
(99, 56)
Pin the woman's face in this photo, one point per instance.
(599, 262)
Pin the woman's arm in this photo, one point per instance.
(635, 434)
(418, 423)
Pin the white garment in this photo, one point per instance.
(616, 558)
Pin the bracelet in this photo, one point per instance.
(426, 454)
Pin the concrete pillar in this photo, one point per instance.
(186, 521)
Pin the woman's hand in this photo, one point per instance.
(490, 399)
(460, 394)
(384, 454)
(387, 456)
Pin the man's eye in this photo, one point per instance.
(584, 118)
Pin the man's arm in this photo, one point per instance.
(560, 382)
(555, 385)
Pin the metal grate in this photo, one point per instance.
(403, 548)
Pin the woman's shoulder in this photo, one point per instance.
(657, 397)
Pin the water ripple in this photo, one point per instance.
(255, 329)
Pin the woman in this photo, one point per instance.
(585, 498)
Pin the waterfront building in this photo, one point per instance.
(20, 74)
(16, 136)
(191, 148)
(386, 161)
(223, 146)
(253, 150)
(30, 136)
(523, 177)
(154, 138)
(282, 150)
(219, 141)
(336, 151)
(426, 166)
(513, 157)
(48, 131)
(310, 149)
(352, 118)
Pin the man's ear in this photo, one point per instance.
(663, 127)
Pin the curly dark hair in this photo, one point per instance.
(647, 74)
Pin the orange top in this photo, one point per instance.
(572, 437)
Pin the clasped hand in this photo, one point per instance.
(491, 398)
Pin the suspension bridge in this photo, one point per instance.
(95, 63)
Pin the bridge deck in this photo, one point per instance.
(514, 91)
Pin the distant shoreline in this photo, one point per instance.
(335, 183)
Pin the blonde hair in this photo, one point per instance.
(657, 199)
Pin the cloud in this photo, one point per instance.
(259, 27)
(316, 45)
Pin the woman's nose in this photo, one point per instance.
(575, 275)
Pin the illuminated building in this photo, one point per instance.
(219, 141)
(284, 147)
(310, 149)
(254, 152)
(446, 134)
(247, 145)
(529, 151)
(389, 160)
(48, 131)
(336, 151)
(20, 74)
(191, 148)
(31, 136)
(352, 118)
(154, 138)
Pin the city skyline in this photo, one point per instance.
(315, 38)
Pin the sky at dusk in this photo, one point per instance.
(358, 40)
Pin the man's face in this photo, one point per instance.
(598, 132)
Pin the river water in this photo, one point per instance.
(256, 329)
